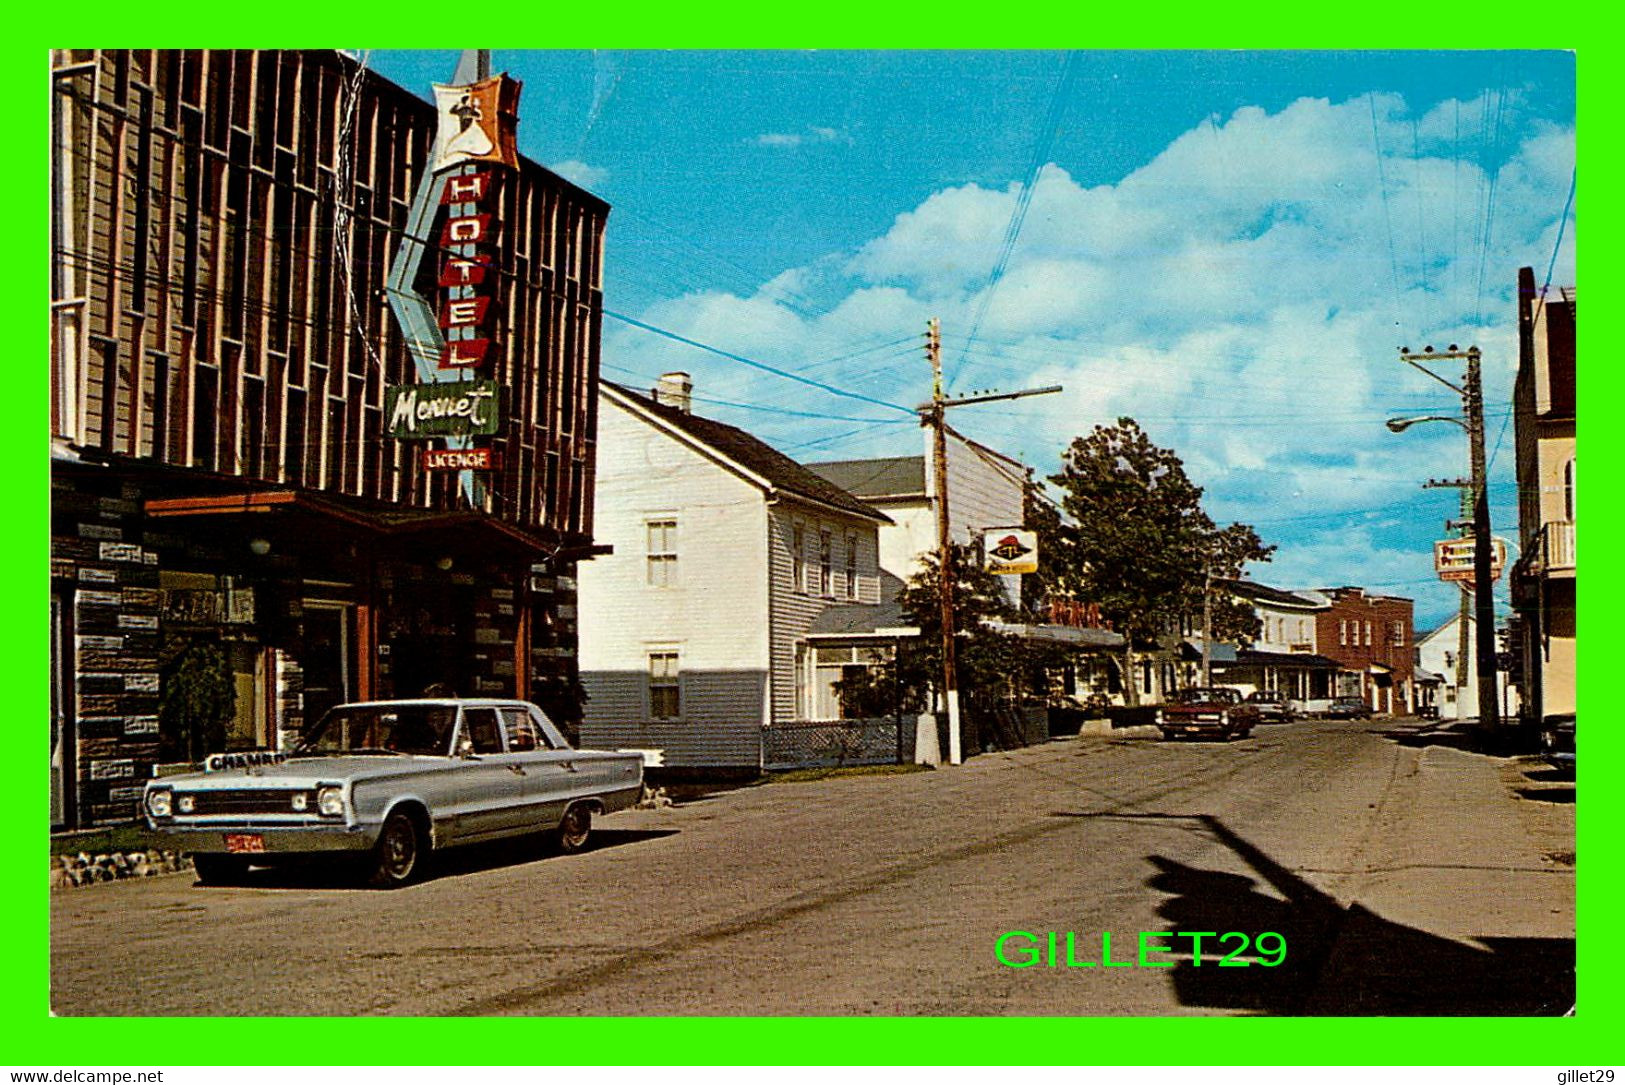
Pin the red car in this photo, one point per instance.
(1213, 712)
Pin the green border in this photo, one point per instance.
(33, 1037)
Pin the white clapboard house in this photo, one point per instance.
(740, 587)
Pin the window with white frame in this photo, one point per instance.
(825, 667)
(1342, 632)
(665, 685)
(1399, 634)
(661, 538)
(1568, 492)
(798, 557)
(1368, 633)
(851, 566)
(826, 568)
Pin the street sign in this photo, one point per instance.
(1453, 559)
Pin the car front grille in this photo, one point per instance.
(244, 802)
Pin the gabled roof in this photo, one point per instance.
(1263, 593)
(895, 476)
(864, 618)
(753, 455)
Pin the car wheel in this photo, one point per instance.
(215, 869)
(574, 828)
(396, 857)
(1168, 736)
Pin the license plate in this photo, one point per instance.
(240, 843)
(1193, 728)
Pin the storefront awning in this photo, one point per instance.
(1070, 635)
(392, 522)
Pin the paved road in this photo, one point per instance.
(1404, 879)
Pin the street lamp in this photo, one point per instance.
(1472, 399)
(1400, 425)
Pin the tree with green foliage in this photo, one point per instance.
(994, 670)
(1137, 543)
(196, 700)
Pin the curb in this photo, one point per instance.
(83, 870)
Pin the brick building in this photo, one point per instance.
(1373, 640)
(245, 528)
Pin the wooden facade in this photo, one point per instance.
(223, 223)
(227, 499)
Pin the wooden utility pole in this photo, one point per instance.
(1207, 625)
(933, 414)
(1489, 701)
(1472, 399)
(1464, 617)
(945, 565)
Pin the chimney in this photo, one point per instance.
(673, 390)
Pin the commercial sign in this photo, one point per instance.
(477, 122)
(1453, 559)
(458, 459)
(1010, 551)
(457, 409)
(465, 308)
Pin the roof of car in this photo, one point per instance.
(436, 701)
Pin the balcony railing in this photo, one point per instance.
(1557, 547)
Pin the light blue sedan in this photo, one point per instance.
(393, 781)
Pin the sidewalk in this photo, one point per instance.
(1466, 903)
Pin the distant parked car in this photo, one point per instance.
(1348, 708)
(1215, 712)
(388, 782)
(1272, 707)
(1557, 740)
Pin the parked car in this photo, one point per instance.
(390, 782)
(1348, 708)
(1272, 707)
(1557, 740)
(1215, 712)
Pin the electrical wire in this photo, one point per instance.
(1035, 167)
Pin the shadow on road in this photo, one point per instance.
(1340, 961)
(329, 873)
(1547, 794)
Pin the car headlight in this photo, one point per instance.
(1224, 717)
(1157, 716)
(330, 802)
(299, 801)
(158, 803)
(186, 803)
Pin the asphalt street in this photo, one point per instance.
(1404, 878)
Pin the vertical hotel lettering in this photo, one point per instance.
(466, 300)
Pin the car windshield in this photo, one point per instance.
(1197, 696)
(1263, 697)
(392, 728)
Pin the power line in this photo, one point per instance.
(1035, 167)
(764, 407)
(1387, 217)
(753, 363)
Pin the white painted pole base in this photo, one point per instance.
(954, 757)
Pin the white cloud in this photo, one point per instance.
(812, 134)
(577, 172)
(1243, 294)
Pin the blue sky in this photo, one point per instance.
(1228, 246)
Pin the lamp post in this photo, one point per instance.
(1489, 709)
